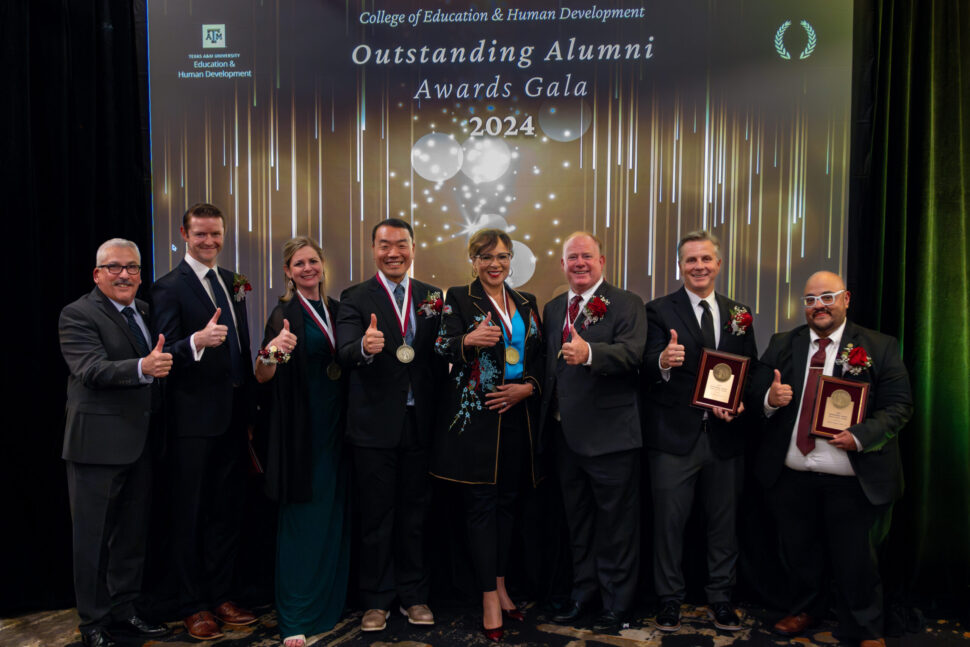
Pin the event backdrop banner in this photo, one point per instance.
(640, 121)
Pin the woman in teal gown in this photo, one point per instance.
(305, 470)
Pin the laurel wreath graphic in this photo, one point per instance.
(780, 40)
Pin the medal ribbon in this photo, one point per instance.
(505, 319)
(402, 317)
(324, 326)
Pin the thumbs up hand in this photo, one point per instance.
(673, 354)
(484, 335)
(576, 350)
(779, 395)
(285, 341)
(213, 334)
(157, 363)
(373, 341)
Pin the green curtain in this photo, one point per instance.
(912, 254)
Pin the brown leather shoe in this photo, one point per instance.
(876, 642)
(230, 614)
(418, 614)
(374, 620)
(202, 626)
(794, 625)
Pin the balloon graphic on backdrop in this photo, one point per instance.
(486, 221)
(436, 157)
(486, 159)
(565, 120)
(523, 264)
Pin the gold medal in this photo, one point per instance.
(333, 371)
(405, 354)
(511, 355)
(722, 372)
(841, 398)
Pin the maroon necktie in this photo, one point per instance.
(804, 440)
(573, 313)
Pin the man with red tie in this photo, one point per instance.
(827, 494)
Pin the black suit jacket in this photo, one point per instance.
(468, 434)
(199, 393)
(598, 403)
(378, 389)
(670, 423)
(108, 408)
(889, 407)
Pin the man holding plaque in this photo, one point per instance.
(386, 329)
(689, 429)
(827, 492)
(594, 343)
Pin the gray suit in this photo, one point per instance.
(107, 449)
(598, 443)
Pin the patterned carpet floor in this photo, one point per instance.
(458, 627)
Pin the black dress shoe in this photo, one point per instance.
(97, 637)
(135, 626)
(608, 621)
(570, 613)
(724, 616)
(669, 617)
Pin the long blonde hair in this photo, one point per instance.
(291, 247)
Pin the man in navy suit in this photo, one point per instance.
(387, 340)
(112, 400)
(692, 450)
(827, 494)
(201, 310)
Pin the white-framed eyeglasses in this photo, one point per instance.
(826, 299)
(502, 258)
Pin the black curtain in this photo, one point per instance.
(73, 176)
(75, 173)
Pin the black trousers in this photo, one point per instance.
(109, 517)
(394, 493)
(824, 524)
(490, 509)
(717, 483)
(209, 479)
(601, 495)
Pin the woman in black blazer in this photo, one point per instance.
(491, 335)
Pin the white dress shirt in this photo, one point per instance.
(201, 270)
(825, 458)
(585, 296)
(144, 379)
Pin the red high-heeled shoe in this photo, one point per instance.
(495, 635)
(514, 614)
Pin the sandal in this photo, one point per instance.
(299, 640)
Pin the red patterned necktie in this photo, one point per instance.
(573, 313)
(803, 439)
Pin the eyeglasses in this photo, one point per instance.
(504, 258)
(826, 299)
(114, 269)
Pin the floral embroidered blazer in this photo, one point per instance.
(468, 435)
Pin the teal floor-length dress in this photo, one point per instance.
(313, 548)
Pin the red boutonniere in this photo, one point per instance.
(854, 359)
(432, 305)
(739, 321)
(595, 310)
(240, 286)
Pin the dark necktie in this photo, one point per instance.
(571, 315)
(140, 340)
(225, 319)
(803, 439)
(707, 326)
(399, 297)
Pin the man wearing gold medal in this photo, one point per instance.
(386, 329)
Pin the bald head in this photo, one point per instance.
(825, 318)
